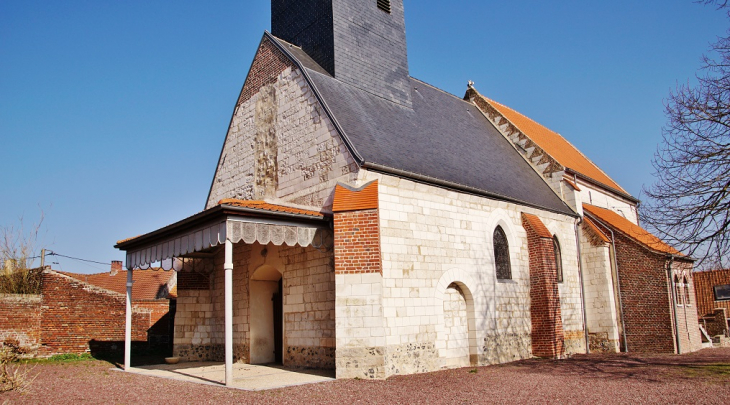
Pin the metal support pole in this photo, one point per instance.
(128, 326)
(228, 267)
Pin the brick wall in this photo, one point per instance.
(357, 242)
(547, 325)
(20, 319)
(74, 313)
(704, 282)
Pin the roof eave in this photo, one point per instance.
(602, 185)
(219, 212)
(461, 187)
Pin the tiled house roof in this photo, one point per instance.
(264, 206)
(630, 229)
(148, 284)
(556, 146)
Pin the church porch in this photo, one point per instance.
(255, 285)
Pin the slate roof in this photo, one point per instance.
(441, 139)
(556, 146)
(148, 284)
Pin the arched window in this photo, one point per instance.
(686, 293)
(558, 259)
(678, 290)
(501, 254)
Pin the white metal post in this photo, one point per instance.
(228, 266)
(128, 326)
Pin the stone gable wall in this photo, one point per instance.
(280, 144)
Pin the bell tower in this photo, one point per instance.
(359, 42)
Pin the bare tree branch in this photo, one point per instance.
(689, 202)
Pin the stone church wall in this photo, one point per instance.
(431, 238)
(308, 307)
(601, 305)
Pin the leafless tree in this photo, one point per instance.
(18, 246)
(689, 202)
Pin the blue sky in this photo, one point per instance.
(112, 114)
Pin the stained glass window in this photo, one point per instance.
(501, 254)
(558, 259)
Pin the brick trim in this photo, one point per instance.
(357, 242)
(548, 338)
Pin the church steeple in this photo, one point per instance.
(360, 42)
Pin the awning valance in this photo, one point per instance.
(255, 222)
(237, 230)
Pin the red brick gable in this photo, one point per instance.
(148, 284)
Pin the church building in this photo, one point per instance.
(362, 220)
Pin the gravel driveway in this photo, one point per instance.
(697, 378)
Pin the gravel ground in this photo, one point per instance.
(697, 378)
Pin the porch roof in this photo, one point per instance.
(235, 220)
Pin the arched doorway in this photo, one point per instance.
(456, 323)
(266, 315)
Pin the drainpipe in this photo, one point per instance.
(582, 287)
(674, 302)
(618, 282)
(128, 322)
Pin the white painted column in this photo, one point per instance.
(228, 267)
(128, 326)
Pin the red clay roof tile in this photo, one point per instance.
(595, 230)
(556, 146)
(537, 225)
(347, 199)
(630, 229)
(264, 206)
(147, 283)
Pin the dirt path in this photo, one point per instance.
(698, 378)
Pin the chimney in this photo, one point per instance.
(362, 43)
(116, 268)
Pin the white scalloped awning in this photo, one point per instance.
(237, 230)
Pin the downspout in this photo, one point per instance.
(674, 303)
(618, 282)
(582, 287)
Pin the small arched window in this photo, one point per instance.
(686, 293)
(678, 290)
(501, 254)
(558, 259)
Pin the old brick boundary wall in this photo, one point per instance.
(71, 316)
(20, 320)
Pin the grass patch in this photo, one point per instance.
(60, 358)
(708, 370)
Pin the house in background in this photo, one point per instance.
(713, 301)
(79, 313)
(364, 221)
(72, 299)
